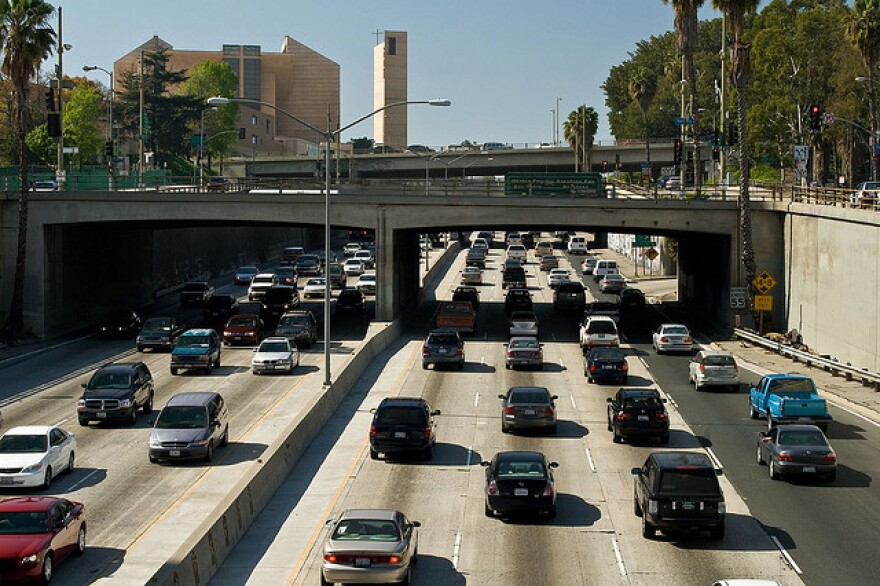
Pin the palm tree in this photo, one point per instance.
(26, 39)
(735, 12)
(864, 34)
(580, 131)
(686, 28)
(642, 89)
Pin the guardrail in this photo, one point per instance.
(867, 377)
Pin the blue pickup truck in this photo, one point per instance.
(788, 398)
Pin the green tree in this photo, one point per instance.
(208, 79)
(82, 110)
(864, 33)
(26, 40)
(580, 131)
(643, 88)
(41, 145)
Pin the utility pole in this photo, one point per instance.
(722, 157)
(59, 171)
(141, 133)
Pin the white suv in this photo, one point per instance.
(577, 245)
(517, 252)
(259, 284)
(598, 330)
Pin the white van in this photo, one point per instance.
(605, 267)
(577, 245)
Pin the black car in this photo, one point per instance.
(527, 239)
(443, 347)
(608, 308)
(116, 392)
(403, 425)
(467, 293)
(632, 301)
(350, 300)
(476, 257)
(605, 363)
(513, 278)
(637, 414)
(220, 308)
(278, 300)
(299, 327)
(517, 300)
(120, 324)
(528, 408)
(520, 482)
(195, 293)
(569, 296)
(286, 275)
(158, 333)
(679, 491)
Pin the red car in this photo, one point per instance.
(245, 328)
(37, 533)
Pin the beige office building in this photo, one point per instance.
(298, 80)
(389, 86)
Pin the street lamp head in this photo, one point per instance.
(89, 68)
(66, 47)
(861, 78)
(439, 102)
(218, 101)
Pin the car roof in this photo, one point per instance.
(383, 514)
(788, 376)
(124, 366)
(29, 430)
(403, 402)
(28, 503)
(200, 331)
(520, 456)
(601, 318)
(786, 427)
(191, 398)
(675, 459)
(264, 275)
(274, 339)
(707, 353)
(630, 393)
(297, 312)
(518, 291)
(673, 325)
(522, 339)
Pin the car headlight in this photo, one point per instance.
(722, 508)
(125, 403)
(31, 559)
(653, 507)
(199, 443)
(155, 443)
(32, 468)
(81, 403)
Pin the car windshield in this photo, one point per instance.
(801, 437)
(366, 530)
(603, 306)
(675, 330)
(284, 272)
(606, 354)
(193, 342)
(304, 262)
(267, 279)
(522, 316)
(401, 416)
(19, 523)
(368, 278)
(443, 340)
(110, 380)
(689, 481)
(182, 417)
(514, 344)
(613, 278)
(247, 270)
(274, 347)
(792, 385)
(241, 322)
(601, 327)
(24, 444)
(509, 468)
(719, 361)
(528, 396)
(157, 325)
(642, 404)
(315, 282)
(294, 320)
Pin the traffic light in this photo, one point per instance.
(815, 117)
(108, 149)
(716, 154)
(604, 165)
(241, 134)
(50, 100)
(732, 134)
(53, 124)
(677, 151)
(617, 161)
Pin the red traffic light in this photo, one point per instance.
(814, 108)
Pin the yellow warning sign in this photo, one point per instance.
(764, 283)
(763, 303)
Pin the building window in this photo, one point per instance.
(231, 50)
(233, 64)
(251, 72)
(251, 50)
(391, 43)
(253, 120)
(253, 139)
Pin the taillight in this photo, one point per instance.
(664, 339)
(593, 368)
(785, 457)
(459, 352)
(509, 411)
(427, 433)
(623, 416)
(625, 366)
(548, 489)
(548, 411)
(702, 368)
(372, 431)
(660, 416)
(394, 559)
(330, 557)
(830, 458)
(425, 351)
(688, 340)
(509, 354)
(492, 488)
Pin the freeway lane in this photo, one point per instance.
(595, 538)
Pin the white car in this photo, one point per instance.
(558, 276)
(275, 355)
(366, 257)
(672, 338)
(350, 249)
(315, 287)
(598, 330)
(259, 284)
(713, 369)
(588, 265)
(577, 245)
(30, 456)
(366, 284)
(480, 243)
(353, 267)
(523, 323)
(517, 252)
(612, 283)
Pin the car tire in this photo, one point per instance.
(648, 530)
(489, 512)
(374, 455)
(759, 456)
(717, 533)
(697, 386)
(209, 453)
(753, 413)
(637, 509)
(209, 368)
(47, 570)
(553, 429)
(774, 474)
(551, 514)
(504, 429)
(140, 348)
(617, 439)
(610, 428)
(663, 439)
(224, 441)
(173, 371)
(428, 454)
(80, 542)
(507, 366)
(133, 418)
(148, 405)
(831, 476)
(461, 365)
(84, 422)
(153, 460)
(71, 463)
(47, 478)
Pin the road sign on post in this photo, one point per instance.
(801, 152)
(763, 303)
(738, 297)
(643, 241)
(652, 253)
(764, 282)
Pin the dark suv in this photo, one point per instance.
(299, 327)
(517, 300)
(443, 347)
(403, 425)
(513, 277)
(195, 293)
(196, 349)
(278, 300)
(116, 391)
(569, 295)
(679, 491)
(637, 414)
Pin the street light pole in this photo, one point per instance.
(328, 137)
(110, 165)
(60, 177)
(141, 125)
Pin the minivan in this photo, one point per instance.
(605, 267)
(577, 245)
(569, 295)
(189, 427)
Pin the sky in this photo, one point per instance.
(503, 63)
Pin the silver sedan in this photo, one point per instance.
(524, 351)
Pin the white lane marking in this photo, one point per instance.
(469, 452)
(477, 399)
(618, 556)
(786, 555)
(573, 404)
(482, 361)
(590, 460)
(851, 412)
(87, 476)
(455, 549)
(60, 423)
(31, 354)
(714, 459)
(562, 364)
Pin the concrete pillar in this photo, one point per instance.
(385, 293)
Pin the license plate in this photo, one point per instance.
(237, 338)
(362, 562)
(529, 412)
(174, 453)
(643, 417)
(520, 492)
(400, 434)
(687, 506)
(6, 480)
(443, 351)
(608, 367)
(101, 415)
(809, 469)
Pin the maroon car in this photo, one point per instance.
(36, 534)
(245, 329)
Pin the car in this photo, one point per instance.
(443, 347)
(672, 183)
(37, 533)
(679, 491)
(524, 351)
(672, 338)
(512, 238)
(520, 482)
(637, 414)
(299, 327)
(244, 329)
(275, 354)
(569, 295)
(259, 284)
(518, 252)
(51, 185)
(195, 293)
(612, 283)
(244, 274)
(543, 249)
(512, 264)
(218, 184)
(588, 265)
(158, 333)
(788, 398)
(419, 148)
(32, 455)
(598, 330)
(471, 276)
(558, 276)
(198, 349)
(527, 240)
(631, 301)
(866, 192)
(480, 243)
(277, 301)
(366, 284)
(290, 254)
(467, 293)
(517, 300)
(577, 245)
(315, 287)
(350, 300)
(337, 276)
(548, 262)
(513, 278)
(219, 308)
(457, 315)
(797, 450)
(116, 391)
(403, 425)
(487, 235)
(523, 323)
(367, 257)
(661, 182)
(120, 324)
(496, 146)
(528, 408)
(370, 546)
(308, 264)
(476, 257)
(606, 363)
(189, 427)
(350, 248)
(713, 369)
(604, 267)
(353, 267)
(286, 275)
(606, 308)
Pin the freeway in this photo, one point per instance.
(595, 538)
